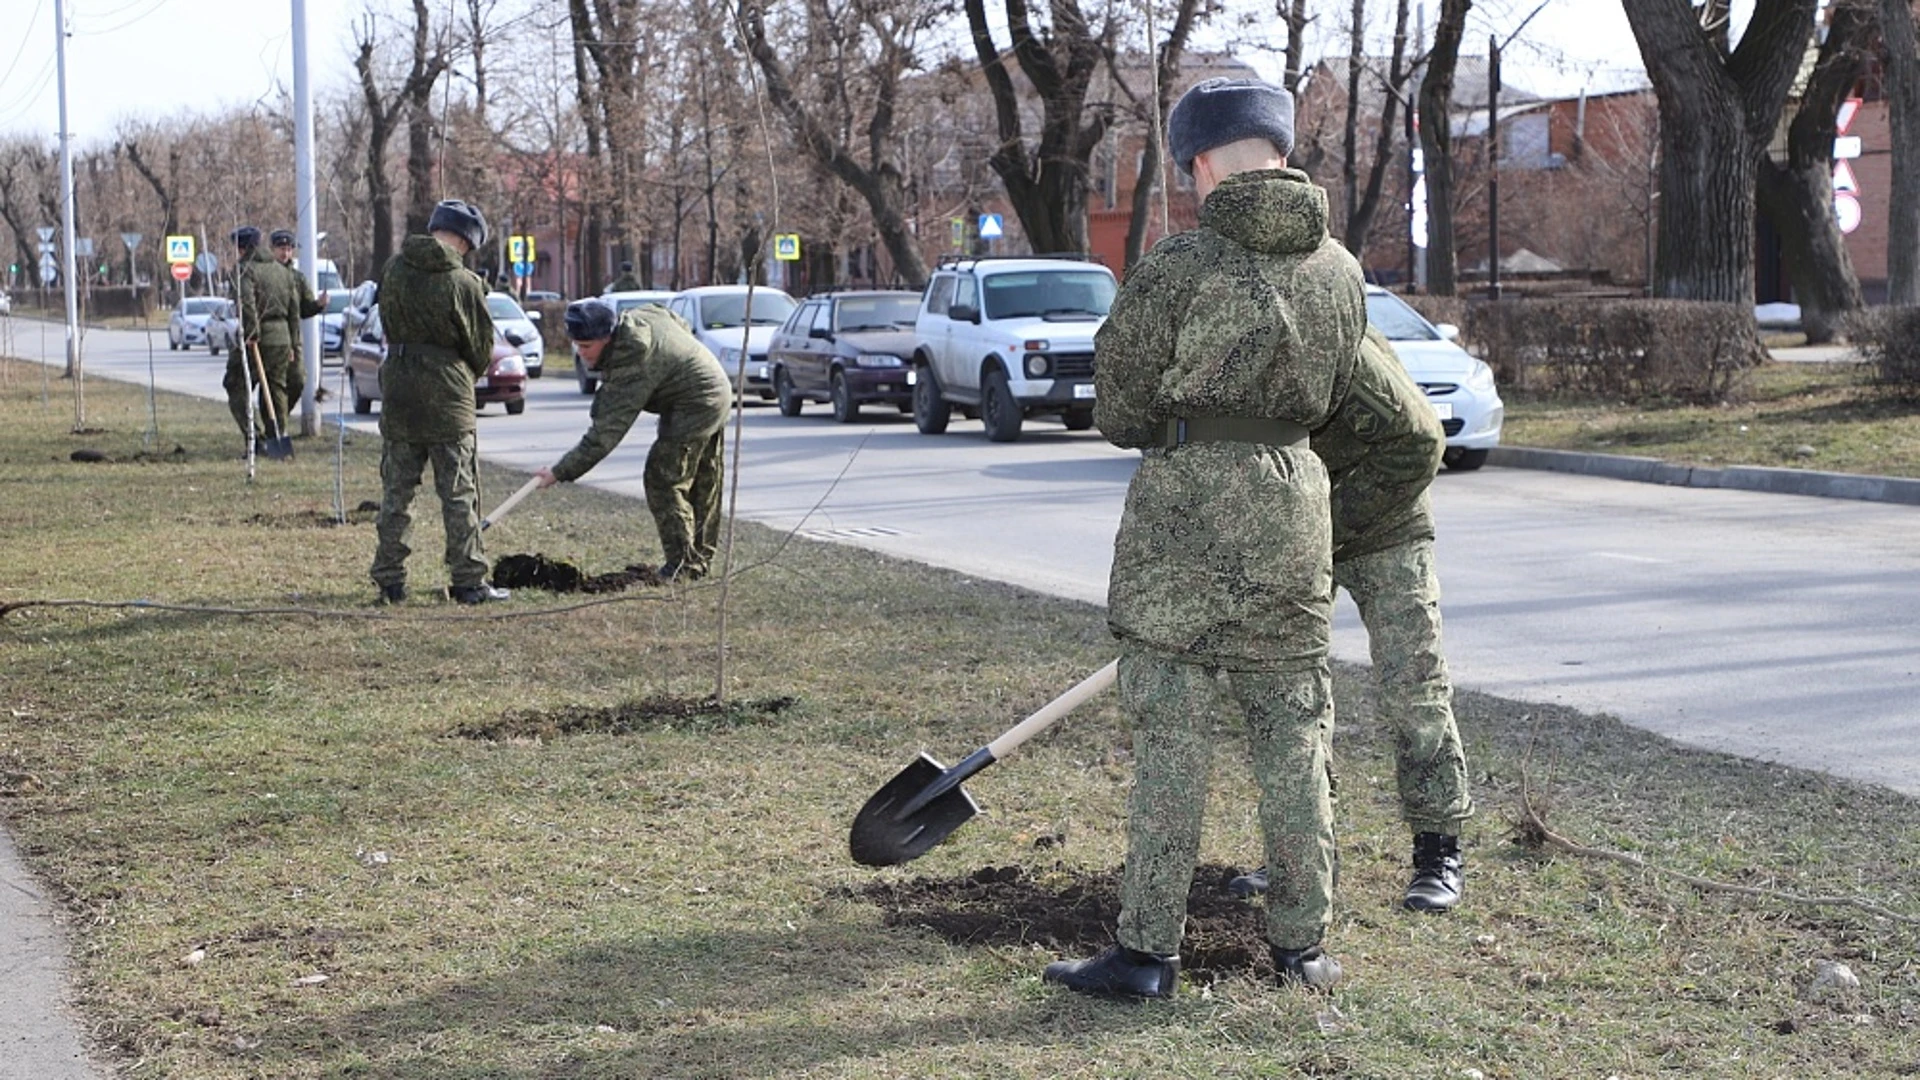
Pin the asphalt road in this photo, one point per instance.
(1771, 626)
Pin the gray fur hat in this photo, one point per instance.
(1221, 111)
(590, 319)
(461, 219)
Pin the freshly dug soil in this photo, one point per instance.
(659, 713)
(558, 575)
(1075, 917)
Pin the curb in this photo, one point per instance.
(1826, 485)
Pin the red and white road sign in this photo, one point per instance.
(182, 271)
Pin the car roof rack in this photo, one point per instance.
(1064, 256)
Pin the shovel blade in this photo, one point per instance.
(882, 837)
(279, 449)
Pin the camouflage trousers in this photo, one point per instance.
(683, 485)
(282, 374)
(1398, 595)
(455, 479)
(1290, 731)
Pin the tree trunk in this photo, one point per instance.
(379, 130)
(1796, 195)
(1717, 114)
(1903, 101)
(1436, 144)
(418, 95)
(1350, 132)
(1367, 207)
(1153, 166)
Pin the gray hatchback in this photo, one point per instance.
(848, 349)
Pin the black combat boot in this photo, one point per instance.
(394, 594)
(1308, 967)
(476, 594)
(1251, 883)
(1118, 972)
(1439, 876)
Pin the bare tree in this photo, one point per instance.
(1719, 107)
(1048, 183)
(1796, 194)
(860, 51)
(1903, 100)
(1364, 206)
(1436, 144)
(384, 112)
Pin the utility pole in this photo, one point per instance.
(66, 206)
(1493, 167)
(307, 227)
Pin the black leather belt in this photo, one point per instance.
(432, 352)
(1242, 429)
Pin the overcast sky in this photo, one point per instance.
(146, 59)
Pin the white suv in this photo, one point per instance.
(1008, 338)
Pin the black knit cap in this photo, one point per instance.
(245, 237)
(590, 319)
(1221, 111)
(281, 238)
(460, 218)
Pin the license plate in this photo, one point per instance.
(758, 372)
(1083, 390)
(482, 383)
(912, 377)
(1444, 409)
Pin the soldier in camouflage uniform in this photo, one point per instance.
(262, 297)
(1224, 348)
(305, 306)
(439, 340)
(1381, 449)
(626, 282)
(649, 360)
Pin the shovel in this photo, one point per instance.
(923, 805)
(279, 447)
(512, 500)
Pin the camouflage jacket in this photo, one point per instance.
(652, 363)
(1224, 549)
(624, 283)
(265, 298)
(428, 299)
(1381, 448)
(305, 305)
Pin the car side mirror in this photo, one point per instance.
(964, 313)
(820, 332)
(1447, 331)
(533, 316)
(513, 339)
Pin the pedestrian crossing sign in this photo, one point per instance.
(786, 247)
(990, 226)
(179, 249)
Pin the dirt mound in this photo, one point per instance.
(558, 575)
(312, 519)
(1075, 915)
(663, 712)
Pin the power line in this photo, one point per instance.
(25, 34)
(158, 4)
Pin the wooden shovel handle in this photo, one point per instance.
(266, 395)
(1053, 710)
(513, 500)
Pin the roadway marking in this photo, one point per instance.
(1628, 558)
(851, 534)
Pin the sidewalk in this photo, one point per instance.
(39, 1036)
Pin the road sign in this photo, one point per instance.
(523, 269)
(958, 227)
(1846, 208)
(1846, 146)
(182, 271)
(46, 234)
(517, 250)
(132, 240)
(786, 247)
(83, 247)
(1843, 179)
(1848, 109)
(532, 255)
(207, 263)
(179, 249)
(49, 269)
(990, 227)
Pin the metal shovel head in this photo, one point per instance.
(881, 837)
(279, 448)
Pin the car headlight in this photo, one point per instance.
(1036, 366)
(1480, 380)
(509, 365)
(729, 358)
(877, 360)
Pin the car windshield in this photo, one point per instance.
(503, 307)
(632, 302)
(336, 302)
(878, 312)
(1392, 317)
(769, 309)
(201, 306)
(1061, 294)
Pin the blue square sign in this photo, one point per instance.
(990, 227)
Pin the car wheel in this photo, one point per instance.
(790, 400)
(212, 349)
(1460, 459)
(845, 409)
(998, 410)
(534, 372)
(362, 404)
(588, 384)
(1079, 420)
(516, 407)
(930, 411)
(173, 343)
